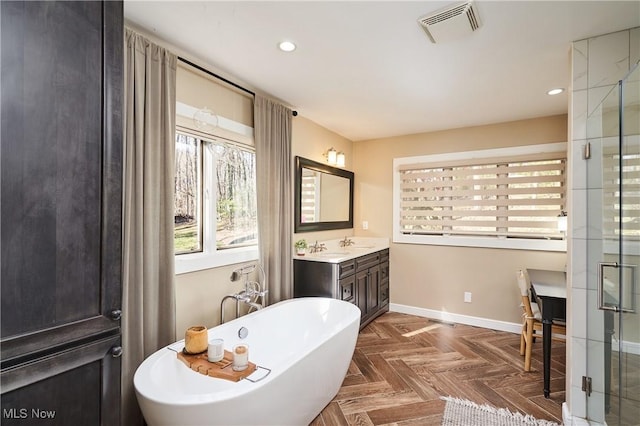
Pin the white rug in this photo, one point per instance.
(462, 412)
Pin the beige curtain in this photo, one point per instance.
(148, 320)
(274, 171)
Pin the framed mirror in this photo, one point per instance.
(323, 197)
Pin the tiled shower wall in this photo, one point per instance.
(598, 63)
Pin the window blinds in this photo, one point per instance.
(620, 215)
(309, 196)
(232, 108)
(511, 197)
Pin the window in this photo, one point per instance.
(215, 196)
(507, 198)
(215, 181)
(188, 194)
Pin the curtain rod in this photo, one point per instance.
(237, 86)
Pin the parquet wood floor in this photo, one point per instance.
(402, 364)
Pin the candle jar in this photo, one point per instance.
(196, 339)
(240, 357)
(215, 352)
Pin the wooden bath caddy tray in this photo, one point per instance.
(221, 369)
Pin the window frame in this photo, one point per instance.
(210, 256)
(468, 240)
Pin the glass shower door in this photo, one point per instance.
(612, 383)
(626, 366)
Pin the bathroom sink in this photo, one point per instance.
(334, 252)
(330, 253)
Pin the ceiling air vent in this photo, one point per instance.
(451, 22)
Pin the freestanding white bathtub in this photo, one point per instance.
(307, 344)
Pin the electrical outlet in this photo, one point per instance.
(467, 297)
(365, 224)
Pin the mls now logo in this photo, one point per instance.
(24, 413)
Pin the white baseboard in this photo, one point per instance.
(457, 318)
(627, 347)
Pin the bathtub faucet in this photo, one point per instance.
(251, 293)
(256, 306)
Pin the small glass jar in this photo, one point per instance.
(215, 351)
(240, 357)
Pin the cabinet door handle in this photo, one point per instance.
(116, 351)
(115, 315)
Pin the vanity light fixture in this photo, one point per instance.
(287, 46)
(334, 157)
(555, 91)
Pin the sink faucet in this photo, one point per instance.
(346, 242)
(317, 247)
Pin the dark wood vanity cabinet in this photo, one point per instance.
(61, 169)
(363, 281)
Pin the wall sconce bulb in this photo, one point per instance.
(331, 156)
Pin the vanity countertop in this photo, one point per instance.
(335, 254)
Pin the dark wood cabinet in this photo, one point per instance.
(368, 278)
(66, 388)
(61, 183)
(363, 281)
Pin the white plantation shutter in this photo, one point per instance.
(515, 196)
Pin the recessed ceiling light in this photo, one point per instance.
(555, 91)
(287, 46)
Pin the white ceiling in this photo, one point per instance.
(366, 69)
